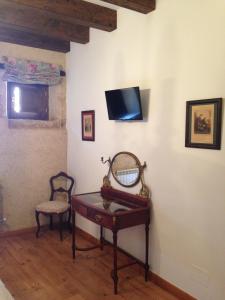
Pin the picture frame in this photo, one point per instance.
(203, 123)
(88, 125)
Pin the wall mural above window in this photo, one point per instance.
(31, 72)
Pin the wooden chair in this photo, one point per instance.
(60, 183)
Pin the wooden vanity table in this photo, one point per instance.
(115, 210)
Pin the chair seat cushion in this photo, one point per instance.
(54, 207)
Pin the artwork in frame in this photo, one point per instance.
(203, 123)
(88, 125)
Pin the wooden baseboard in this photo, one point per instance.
(162, 283)
(169, 287)
(87, 236)
(10, 233)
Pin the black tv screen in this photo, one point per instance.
(124, 104)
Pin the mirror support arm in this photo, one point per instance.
(144, 165)
(106, 161)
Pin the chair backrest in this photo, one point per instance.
(63, 188)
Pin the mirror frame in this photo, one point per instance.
(138, 165)
(144, 191)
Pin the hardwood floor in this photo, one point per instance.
(42, 269)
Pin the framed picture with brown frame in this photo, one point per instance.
(88, 125)
(203, 123)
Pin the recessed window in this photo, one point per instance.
(27, 101)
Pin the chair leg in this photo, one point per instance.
(60, 226)
(38, 223)
(51, 223)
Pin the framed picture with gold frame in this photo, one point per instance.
(88, 125)
(203, 123)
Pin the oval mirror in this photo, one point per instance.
(126, 169)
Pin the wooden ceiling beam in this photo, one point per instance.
(77, 12)
(14, 36)
(36, 21)
(142, 6)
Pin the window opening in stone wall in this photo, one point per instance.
(27, 101)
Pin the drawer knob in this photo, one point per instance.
(98, 218)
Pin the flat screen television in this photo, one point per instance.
(124, 104)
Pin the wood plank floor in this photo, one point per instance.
(42, 269)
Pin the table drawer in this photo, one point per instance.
(99, 218)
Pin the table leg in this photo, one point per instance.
(38, 223)
(115, 276)
(73, 234)
(146, 250)
(101, 238)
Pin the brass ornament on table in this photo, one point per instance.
(144, 191)
(106, 181)
(106, 204)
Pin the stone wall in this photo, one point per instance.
(30, 151)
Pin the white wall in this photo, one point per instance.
(178, 53)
